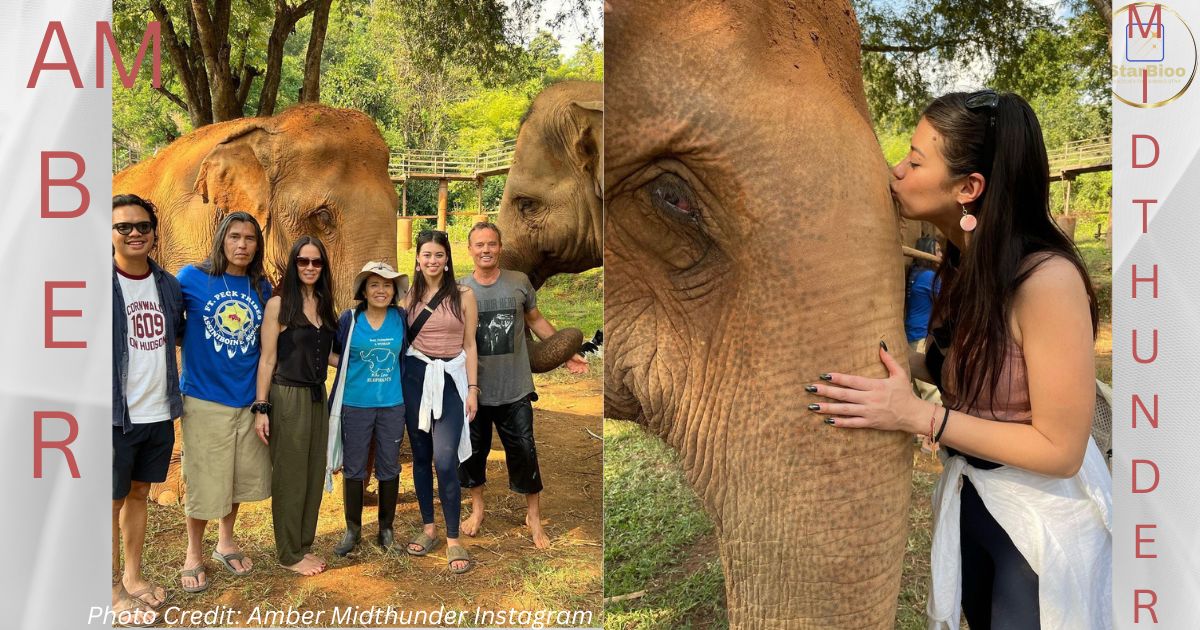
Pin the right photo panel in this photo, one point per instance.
(858, 312)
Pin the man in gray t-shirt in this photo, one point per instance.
(507, 303)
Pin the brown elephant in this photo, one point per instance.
(551, 212)
(311, 169)
(751, 245)
(308, 170)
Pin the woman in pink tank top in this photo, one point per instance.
(441, 392)
(1015, 323)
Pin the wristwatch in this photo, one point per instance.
(260, 406)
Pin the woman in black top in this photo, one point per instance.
(298, 329)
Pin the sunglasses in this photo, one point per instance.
(124, 229)
(304, 261)
(987, 100)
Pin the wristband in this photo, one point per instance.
(942, 429)
(260, 406)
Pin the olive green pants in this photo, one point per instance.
(299, 432)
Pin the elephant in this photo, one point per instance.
(311, 169)
(751, 245)
(551, 211)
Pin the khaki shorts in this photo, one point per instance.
(224, 462)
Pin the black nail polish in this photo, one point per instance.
(829, 421)
(814, 407)
(812, 389)
(883, 345)
(826, 377)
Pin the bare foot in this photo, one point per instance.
(540, 539)
(317, 559)
(306, 566)
(129, 611)
(149, 593)
(471, 526)
(242, 564)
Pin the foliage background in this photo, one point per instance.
(428, 83)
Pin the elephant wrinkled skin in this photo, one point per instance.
(311, 169)
(751, 245)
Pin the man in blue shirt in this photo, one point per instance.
(224, 462)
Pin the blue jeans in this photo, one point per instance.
(436, 450)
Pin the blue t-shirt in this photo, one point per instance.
(373, 378)
(220, 343)
(918, 305)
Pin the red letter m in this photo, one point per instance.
(149, 38)
(1153, 25)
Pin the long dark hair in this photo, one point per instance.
(448, 290)
(290, 291)
(216, 263)
(1014, 222)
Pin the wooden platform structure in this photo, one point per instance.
(445, 167)
(1076, 158)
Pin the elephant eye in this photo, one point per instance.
(673, 196)
(324, 219)
(526, 206)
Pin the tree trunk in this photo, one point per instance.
(285, 20)
(213, 31)
(180, 57)
(311, 91)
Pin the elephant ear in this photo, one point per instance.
(589, 146)
(233, 176)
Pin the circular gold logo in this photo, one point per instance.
(1154, 55)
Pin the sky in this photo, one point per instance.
(570, 34)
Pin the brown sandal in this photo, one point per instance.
(458, 553)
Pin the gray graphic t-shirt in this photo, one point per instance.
(504, 375)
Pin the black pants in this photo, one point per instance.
(514, 424)
(1000, 590)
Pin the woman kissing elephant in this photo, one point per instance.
(750, 244)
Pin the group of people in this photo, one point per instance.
(256, 419)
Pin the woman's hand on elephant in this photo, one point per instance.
(887, 404)
(262, 426)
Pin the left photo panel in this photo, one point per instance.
(357, 275)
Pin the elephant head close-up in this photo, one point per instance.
(751, 245)
(551, 209)
(311, 170)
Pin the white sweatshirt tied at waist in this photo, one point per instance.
(432, 390)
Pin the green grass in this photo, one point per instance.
(657, 538)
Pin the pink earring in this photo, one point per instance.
(968, 221)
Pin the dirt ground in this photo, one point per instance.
(509, 572)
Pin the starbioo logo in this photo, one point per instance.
(1154, 55)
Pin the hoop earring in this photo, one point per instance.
(968, 220)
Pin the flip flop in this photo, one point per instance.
(194, 572)
(427, 544)
(149, 590)
(227, 559)
(458, 553)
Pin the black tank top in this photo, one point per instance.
(303, 357)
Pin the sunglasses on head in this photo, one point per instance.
(304, 261)
(987, 100)
(124, 229)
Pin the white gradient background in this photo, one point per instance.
(55, 530)
(1173, 242)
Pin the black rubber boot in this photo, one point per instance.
(389, 493)
(352, 497)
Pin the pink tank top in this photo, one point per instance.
(1011, 401)
(442, 334)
